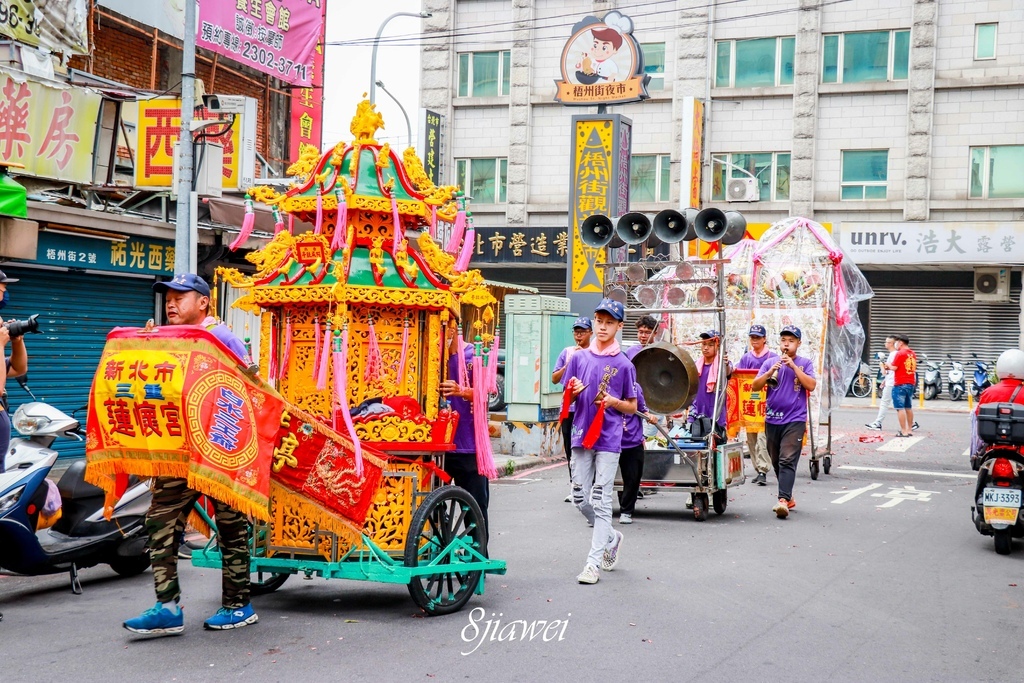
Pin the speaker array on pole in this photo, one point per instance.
(667, 227)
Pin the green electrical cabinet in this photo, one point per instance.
(537, 328)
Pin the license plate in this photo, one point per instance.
(1006, 498)
(995, 515)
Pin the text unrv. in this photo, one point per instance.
(478, 631)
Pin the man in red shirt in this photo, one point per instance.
(1010, 371)
(904, 364)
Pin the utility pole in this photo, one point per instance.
(184, 246)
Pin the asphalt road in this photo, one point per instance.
(867, 580)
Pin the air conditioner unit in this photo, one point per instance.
(743, 190)
(992, 285)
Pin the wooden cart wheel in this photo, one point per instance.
(826, 466)
(700, 506)
(720, 500)
(445, 514)
(814, 468)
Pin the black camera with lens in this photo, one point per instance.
(19, 328)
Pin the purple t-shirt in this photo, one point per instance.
(787, 402)
(633, 425)
(465, 442)
(704, 403)
(560, 363)
(221, 331)
(617, 377)
(752, 362)
(632, 351)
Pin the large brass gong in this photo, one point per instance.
(668, 377)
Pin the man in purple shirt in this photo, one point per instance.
(461, 462)
(646, 334)
(582, 331)
(707, 364)
(187, 302)
(603, 383)
(756, 442)
(786, 416)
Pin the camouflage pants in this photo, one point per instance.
(165, 522)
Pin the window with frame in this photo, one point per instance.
(484, 74)
(865, 174)
(758, 62)
(985, 41)
(654, 64)
(770, 168)
(866, 57)
(484, 180)
(650, 178)
(996, 172)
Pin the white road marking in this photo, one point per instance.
(850, 495)
(955, 475)
(899, 445)
(898, 495)
(966, 453)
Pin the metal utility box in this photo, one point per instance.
(537, 328)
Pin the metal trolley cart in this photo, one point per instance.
(691, 463)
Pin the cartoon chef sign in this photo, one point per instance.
(602, 63)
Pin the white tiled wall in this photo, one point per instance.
(867, 15)
(480, 132)
(955, 56)
(762, 19)
(751, 125)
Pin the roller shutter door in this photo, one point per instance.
(944, 320)
(76, 310)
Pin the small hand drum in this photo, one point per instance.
(668, 377)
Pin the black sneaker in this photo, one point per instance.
(761, 479)
(914, 428)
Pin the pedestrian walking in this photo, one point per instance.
(887, 383)
(631, 460)
(582, 331)
(786, 413)
(601, 382)
(757, 443)
(905, 370)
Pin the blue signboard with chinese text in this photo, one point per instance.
(140, 255)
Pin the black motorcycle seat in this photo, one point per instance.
(72, 484)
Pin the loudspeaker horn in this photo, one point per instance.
(598, 232)
(713, 225)
(671, 226)
(634, 228)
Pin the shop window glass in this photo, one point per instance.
(723, 63)
(866, 57)
(865, 174)
(788, 56)
(484, 180)
(649, 178)
(484, 74)
(985, 41)
(770, 168)
(654, 64)
(759, 62)
(997, 172)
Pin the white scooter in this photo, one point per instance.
(81, 537)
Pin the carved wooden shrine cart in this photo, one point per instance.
(374, 277)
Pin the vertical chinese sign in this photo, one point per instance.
(277, 37)
(50, 131)
(431, 145)
(598, 146)
(307, 104)
(158, 129)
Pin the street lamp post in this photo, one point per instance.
(376, 41)
(408, 126)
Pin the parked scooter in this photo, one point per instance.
(955, 379)
(932, 378)
(81, 537)
(997, 497)
(982, 376)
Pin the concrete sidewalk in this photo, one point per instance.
(938, 405)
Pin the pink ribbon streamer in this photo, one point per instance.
(492, 365)
(461, 365)
(399, 236)
(433, 222)
(319, 213)
(248, 223)
(405, 354)
(341, 395)
(467, 251)
(282, 369)
(481, 430)
(341, 225)
(278, 221)
(316, 347)
(325, 360)
(458, 231)
(291, 224)
(272, 354)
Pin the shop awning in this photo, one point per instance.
(230, 211)
(13, 196)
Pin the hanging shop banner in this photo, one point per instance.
(598, 147)
(50, 131)
(602, 63)
(138, 255)
(691, 152)
(927, 243)
(158, 129)
(307, 104)
(521, 245)
(431, 145)
(56, 25)
(278, 38)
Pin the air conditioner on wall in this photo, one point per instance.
(743, 190)
(992, 285)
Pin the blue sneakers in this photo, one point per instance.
(231, 618)
(157, 621)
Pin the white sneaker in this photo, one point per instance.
(781, 510)
(625, 518)
(590, 574)
(611, 555)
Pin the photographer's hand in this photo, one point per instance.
(5, 334)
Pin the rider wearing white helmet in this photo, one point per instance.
(1010, 371)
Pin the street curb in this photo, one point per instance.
(523, 463)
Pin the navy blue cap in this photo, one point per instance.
(582, 323)
(184, 282)
(7, 280)
(612, 308)
(791, 330)
(710, 334)
(758, 331)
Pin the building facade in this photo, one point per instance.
(897, 124)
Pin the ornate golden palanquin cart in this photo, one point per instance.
(354, 315)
